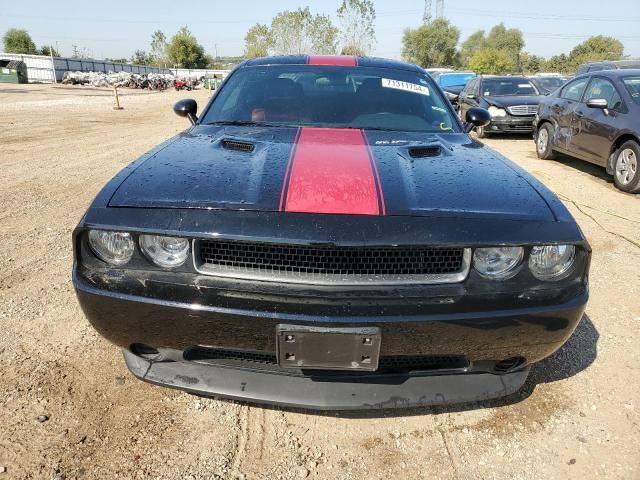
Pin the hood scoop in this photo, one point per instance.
(239, 146)
(425, 151)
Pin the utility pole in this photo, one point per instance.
(426, 17)
(439, 8)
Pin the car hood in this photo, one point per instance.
(510, 101)
(333, 171)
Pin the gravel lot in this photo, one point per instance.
(69, 408)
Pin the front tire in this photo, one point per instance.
(544, 138)
(626, 174)
(481, 132)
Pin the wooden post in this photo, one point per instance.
(117, 99)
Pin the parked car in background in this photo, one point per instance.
(512, 102)
(327, 235)
(607, 65)
(433, 70)
(452, 84)
(595, 117)
(547, 83)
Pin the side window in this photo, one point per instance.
(603, 88)
(469, 88)
(574, 90)
(474, 87)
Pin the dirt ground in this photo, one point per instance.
(69, 408)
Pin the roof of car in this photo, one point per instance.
(501, 77)
(617, 63)
(338, 60)
(613, 73)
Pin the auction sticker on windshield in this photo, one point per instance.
(406, 86)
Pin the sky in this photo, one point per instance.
(115, 29)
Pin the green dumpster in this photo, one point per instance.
(13, 71)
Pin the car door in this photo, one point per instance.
(596, 127)
(562, 110)
(468, 98)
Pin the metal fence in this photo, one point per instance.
(44, 69)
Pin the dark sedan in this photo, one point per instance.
(595, 117)
(328, 235)
(511, 101)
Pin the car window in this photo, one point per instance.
(332, 96)
(507, 86)
(550, 83)
(632, 84)
(574, 90)
(603, 88)
(471, 86)
(455, 79)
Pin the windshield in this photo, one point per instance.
(455, 79)
(550, 83)
(497, 87)
(332, 96)
(633, 87)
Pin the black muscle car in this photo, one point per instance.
(328, 235)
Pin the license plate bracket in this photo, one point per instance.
(328, 348)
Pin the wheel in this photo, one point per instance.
(543, 142)
(626, 174)
(481, 132)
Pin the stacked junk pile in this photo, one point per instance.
(150, 81)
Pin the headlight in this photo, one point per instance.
(165, 251)
(496, 112)
(115, 248)
(551, 262)
(497, 263)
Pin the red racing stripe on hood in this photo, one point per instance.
(337, 60)
(332, 171)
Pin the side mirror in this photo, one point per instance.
(187, 108)
(470, 96)
(477, 117)
(600, 103)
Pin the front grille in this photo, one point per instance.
(318, 264)
(521, 127)
(523, 109)
(269, 361)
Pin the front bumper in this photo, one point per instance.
(511, 124)
(326, 393)
(173, 326)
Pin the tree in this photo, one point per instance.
(493, 61)
(159, 48)
(290, 33)
(510, 41)
(185, 51)
(433, 44)
(49, 51)
(558, 63)
(299, 31)
(18, 41)
(472, 44)
(356, 26)
(140, 57)
(257, 41)
(531, 63)
(596, 48)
